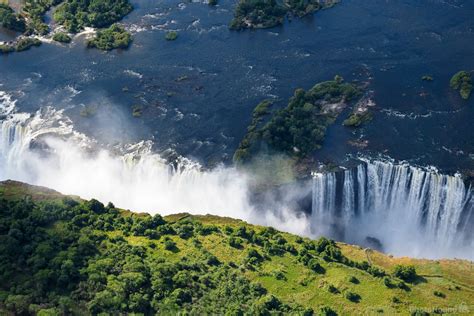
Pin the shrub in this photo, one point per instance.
(235, 242)
(364, 265)
(228, 230)
(406, 273)
(314, 265)
(280, 240)
(26, 43)
(326, 311)
(376, 272)
(388, 283)
(402, 285)
(185, 230)
(212, 260)
(351, 296)
(61, 37)
(274, 249)
(279, 275)
(354, 280)
(196, 243)
(271, 302)
(242, 232)
(439, 294)
(170, 245)
(205, 230)
(291, 249)
(181, 296)
(332, 289)
(253, 257)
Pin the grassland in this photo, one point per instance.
(441, 286)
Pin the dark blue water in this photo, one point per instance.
(390, 44)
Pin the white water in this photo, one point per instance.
(131, 176)
(412, 211)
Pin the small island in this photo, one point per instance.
(171, 36)
(111, 38)
(269, 13)
(74, 15)
(462, 81)
(23, 44)
(356, 118)
(298, 129)
(71, 16)
(427, 78)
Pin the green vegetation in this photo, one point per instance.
(427, 78)
(406, 273)
(439, 294)
(270, 13)
(462, 81)
(298, 129)
(111, 38)
(10, 20)
(35, 10)
(332, 289)
(171, 35)
(137, 110)
(62, 37)
(351, 296)
(75, 14)
(26, 43)
(356, 119)
(212, 2)
(258, 14)
(5, 49)
(354, 280)
(327, 311)
(63, 255)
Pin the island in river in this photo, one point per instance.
(72, 16)
(269, 13)
(298, 129)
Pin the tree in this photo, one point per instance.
(406, 273)
(10, 20)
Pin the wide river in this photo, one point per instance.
(198, 92)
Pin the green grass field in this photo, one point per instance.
(442, 286)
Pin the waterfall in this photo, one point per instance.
(412, 210)
(43, 148)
